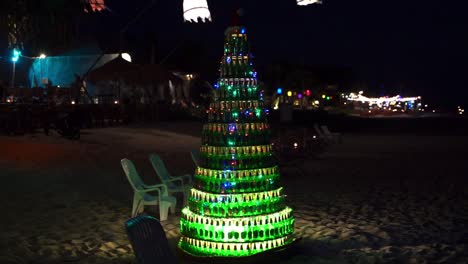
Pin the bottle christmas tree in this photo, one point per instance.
(237, 206)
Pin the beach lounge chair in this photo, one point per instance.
(322, 136)
(149, 241)
(195, 157)
(141, 196)
(335, 136)
(175, 184)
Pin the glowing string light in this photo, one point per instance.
(308, 2)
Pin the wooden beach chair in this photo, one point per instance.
(141, 195)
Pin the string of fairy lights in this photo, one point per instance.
(237, 206)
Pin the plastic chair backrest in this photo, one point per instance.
(160, 168)
(132, 174)
(148, 240)
(318, 131)
(195, 156)
(325, 130)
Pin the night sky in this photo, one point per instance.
(414, 47)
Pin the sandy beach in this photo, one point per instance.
(375, 198)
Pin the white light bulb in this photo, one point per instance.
(126, 57)
(308, 2)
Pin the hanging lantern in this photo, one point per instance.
(308, 2)
(95, 5)
(194, 9)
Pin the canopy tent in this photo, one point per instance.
(61, 70)
(117, 69)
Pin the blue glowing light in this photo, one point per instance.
(279, 91)
(16, 55)
(243, 30)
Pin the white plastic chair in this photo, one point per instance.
(335, 136)
(141, 195)
(175, 184)
(327, 139)
(195, 157)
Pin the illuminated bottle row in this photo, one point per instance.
(236, 236)
(237, 162)
(234, 127)
(247, 82)
(235, 175)
(251, 184)
(208, 248)
(244, 115)
(251, 233)
(237, 93)
(221, 134)
(235, 68)
(229, 209)
(234, 198)
(245, 150)
(230, 105)
(236, 44)
(236, 158)
(238, 221)
(236, 61)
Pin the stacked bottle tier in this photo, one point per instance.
(236, 230)
(243, 249)
(237, 112)
(236, 175)
(236, 67)
(236, 134)
(240, 181)
(236, 61)
(236, 205)
(238, 89)
(236, 158)
(245, 185)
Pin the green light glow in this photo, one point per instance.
(236, 175)
(236, 207)
(244, 185)
(238, 230)
(207, 248)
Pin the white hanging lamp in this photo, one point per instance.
(194, 9)
(308, 2)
